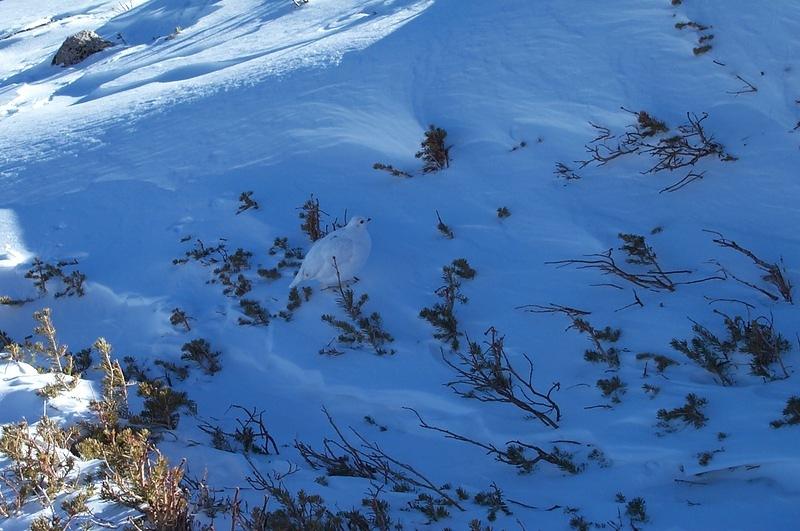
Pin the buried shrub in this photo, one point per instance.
(251, 434)
(162, 405)
(390, 169)
(647, 272)
(690, 414)
(442, 314)
(648, 136)
(636, 510)
(154, 488)
(493, 500)
(521, 455)
(179, 318)
(565, 172)
(791, 414)
(485, 373)
(435, 154)
(199, 351)
(62, 363)
(686, 147)
(246, 202)
(113, 403)
(254, 313)
(309, 512)
(295, 300)
(433, 509)
(41, 273)
(360, 328)
(40, 464)
(135, 473)
(365, 459)
(612, 388)
(228, 268)
(43, 457)
(603, 341)
(773, 273)
(662, 362)
(312, 214)
(756, 338)
(443, 228)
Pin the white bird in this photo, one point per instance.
(346, 249)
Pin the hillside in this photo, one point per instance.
(124, 162)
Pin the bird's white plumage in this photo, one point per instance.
(346, 249)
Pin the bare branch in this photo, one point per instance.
(773, 273)
(487, 375)
(689, 178)
(655, 278)
(514, 454)
(342, 458)
(552, 308)
(747, 89)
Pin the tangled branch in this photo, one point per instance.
(487, 375)
(340, 457)
(516, 452)
(654, 278)
(773, 273)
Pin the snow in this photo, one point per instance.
(115, 160)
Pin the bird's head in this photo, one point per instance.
(358, 222)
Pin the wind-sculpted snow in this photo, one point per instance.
(171, 51)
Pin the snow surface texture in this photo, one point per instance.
(114, 161)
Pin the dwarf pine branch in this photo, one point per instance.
(602, 340)
(362, 458)
(791, 414)
(359, 328)
(435, 154)
(41, 273)
(442, 314)
(443, 228)
(179, 318)
(523, 456)
(647, 136)
(485, 373)
(199, 351)
(690, 414)
(756, 338)
(649, 273)
(246, 202)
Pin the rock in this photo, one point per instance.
(78, 47)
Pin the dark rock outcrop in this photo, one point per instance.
(78, 47)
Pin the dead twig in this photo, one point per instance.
(487, 375)
(343, 458)
(514, 454)
(747, 89)
(773, 273)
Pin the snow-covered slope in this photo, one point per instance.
(114, 161)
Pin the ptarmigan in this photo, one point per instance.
(349, 246)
